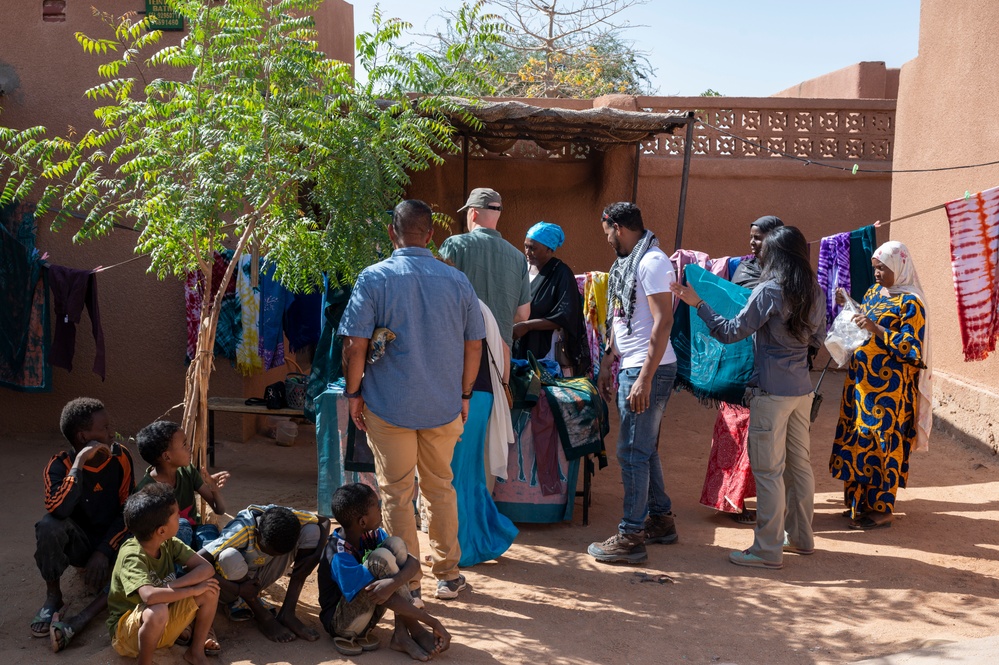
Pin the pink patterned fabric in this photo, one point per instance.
(194, 294)
(685, 257)
(974, 251)
(729, 480)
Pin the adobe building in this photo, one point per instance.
(843, 118)
(948, 115)
(43, 74)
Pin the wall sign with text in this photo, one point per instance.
(165, 18)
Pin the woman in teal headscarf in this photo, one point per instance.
(555, 305)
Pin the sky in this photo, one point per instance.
(741, 48)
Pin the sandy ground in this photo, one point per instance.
(931, 578)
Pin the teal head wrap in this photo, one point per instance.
(549, 235)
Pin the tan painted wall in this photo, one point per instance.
(863, 80)
(143, 318)
(947, 115)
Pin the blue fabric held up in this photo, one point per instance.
(712, 371)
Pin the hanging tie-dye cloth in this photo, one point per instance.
(974, 255)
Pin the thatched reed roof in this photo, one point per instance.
(503, 123)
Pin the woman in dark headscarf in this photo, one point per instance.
(555, 306)
(729, 479)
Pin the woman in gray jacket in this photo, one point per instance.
(786, 315)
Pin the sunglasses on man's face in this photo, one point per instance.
(496, 208)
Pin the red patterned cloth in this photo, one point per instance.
(729, 480)
(974, 255)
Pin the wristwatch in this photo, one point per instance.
(352, 395)
(466, 395)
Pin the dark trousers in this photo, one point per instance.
(59, 545)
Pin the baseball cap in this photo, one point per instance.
(483, 197)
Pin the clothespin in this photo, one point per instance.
(967, 194)
(877, 224)
(856, 167)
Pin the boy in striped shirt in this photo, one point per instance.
(254, 551)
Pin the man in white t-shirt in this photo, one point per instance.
(640, 316)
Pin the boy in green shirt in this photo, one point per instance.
(164, 446)
(148, 606)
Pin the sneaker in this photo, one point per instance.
(745, 558)
(448, 589)
(788, 547)
(661, 529)
(620, 548)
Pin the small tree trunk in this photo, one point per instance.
(195, 420)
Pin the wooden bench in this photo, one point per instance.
(238, 405)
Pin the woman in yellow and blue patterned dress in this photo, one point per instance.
(886, 400)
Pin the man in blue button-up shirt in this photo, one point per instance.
(413, 401)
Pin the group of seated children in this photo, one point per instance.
(169, 576)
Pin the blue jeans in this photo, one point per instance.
(638, 448)
(196, 537)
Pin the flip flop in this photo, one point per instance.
(44, 616)
(238, 610)
(866, 523)
(348, 647)
(61, 639)
(369, 642)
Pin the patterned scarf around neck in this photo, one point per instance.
(621, 286)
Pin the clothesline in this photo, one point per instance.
(878, 224)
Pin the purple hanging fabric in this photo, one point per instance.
(834, 270)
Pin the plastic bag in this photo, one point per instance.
(845, 336)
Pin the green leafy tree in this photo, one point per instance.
(245, 133)
(553, 48)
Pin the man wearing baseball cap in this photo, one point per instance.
(496, 269)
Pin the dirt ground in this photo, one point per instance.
(931, 578)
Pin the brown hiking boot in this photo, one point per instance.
(661, 529)
(620, 548)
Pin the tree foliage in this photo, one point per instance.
(244, 134)
(553, 48)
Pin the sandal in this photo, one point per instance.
(369, 642)
(184, 639)
(238, 610)
(745, 517)
(347, 646)
(44, 617)
(60, 634)
(215, 650)
(867, 523)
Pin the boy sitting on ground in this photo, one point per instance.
(164, 446)
(85, 490)
(364, 572)
(254, 551)
(149, 606)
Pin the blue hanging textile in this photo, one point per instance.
(863, 241)
(24, 310)
(712, 371)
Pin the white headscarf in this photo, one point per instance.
(898, 259)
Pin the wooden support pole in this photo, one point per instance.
(687, 148)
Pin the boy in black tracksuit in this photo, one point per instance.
(85, 490)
